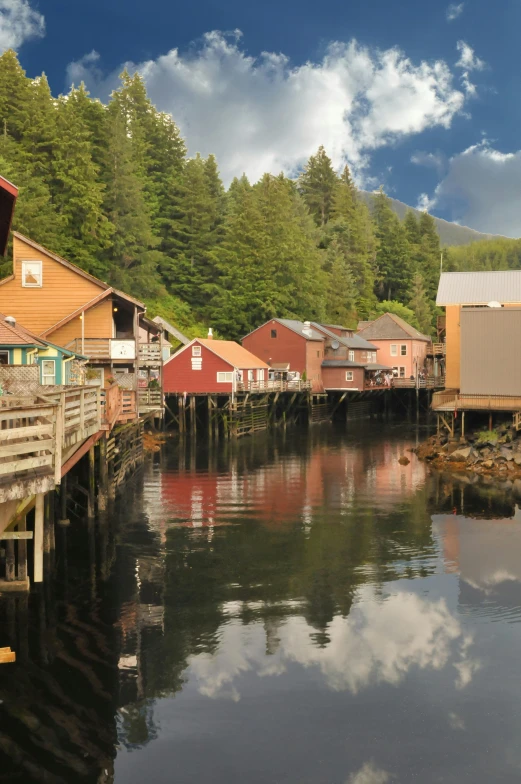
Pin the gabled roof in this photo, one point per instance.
(391, 327)
(296, 326)
(363, 325)
(479, 288)
(74, 268)
(8, 195)
(232, 353)
(171, 330)
(351, 342)
(17, 335)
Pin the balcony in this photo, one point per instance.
(104, 348)
(149, 400)
(150, 355)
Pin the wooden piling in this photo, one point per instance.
(91, 498)
(22, 552)
(103, 475)
(38, 537)
(10, 563)
(64, 520)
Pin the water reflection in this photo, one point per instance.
(296, 608)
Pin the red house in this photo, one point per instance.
(294, 344)
(212, 366)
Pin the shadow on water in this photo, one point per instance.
(296, 607)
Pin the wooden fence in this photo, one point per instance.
(453, 400)
(273, 386)
(149, 399)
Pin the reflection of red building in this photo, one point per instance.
(287, 490)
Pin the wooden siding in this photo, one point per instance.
(491, 351)
(314, 359)
(335, 378)
(288, 346)
(452, 368)
(178, 376)
(98, 324)
(61, 293)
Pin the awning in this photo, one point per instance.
(283, 366)
(374, 366)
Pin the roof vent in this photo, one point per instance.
(210, 333)
(11, 321)
(307, 329)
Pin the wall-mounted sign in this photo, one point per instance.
(122, 349)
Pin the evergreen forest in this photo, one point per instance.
(111, 188)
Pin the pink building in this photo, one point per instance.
(400, 346)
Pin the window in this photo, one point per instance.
(224, 378)
(260, 375)
(349, 375)
(402, 372)
(32, 274)
(49, 371)
(394, 350)
(196, 351)
(4, 357)
(403, 349)
(273, 333)
(351, 356)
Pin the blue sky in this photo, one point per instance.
(423, 98)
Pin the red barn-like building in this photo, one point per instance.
(207, 366)
(290, 342)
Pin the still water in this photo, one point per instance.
(293, 609)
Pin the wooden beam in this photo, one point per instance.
(83, 449)
(16, 535)
(38, 538)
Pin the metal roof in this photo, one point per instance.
(479, 288)
(300, 327)
(392, 327)
(351, 342)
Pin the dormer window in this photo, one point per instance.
(196, 351)
(32, 274)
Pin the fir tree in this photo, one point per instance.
(317, 184)
(15, 97)
(420, 305)
(341, 304)
(392, 257)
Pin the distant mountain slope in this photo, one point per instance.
(450, 233)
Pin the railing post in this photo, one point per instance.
(38, 538)
(82, 411)
(58, 435)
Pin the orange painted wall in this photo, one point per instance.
(98, 324)
(61, 293)
(453, 340)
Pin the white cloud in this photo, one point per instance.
(18, 23)
(380, 642)
(369, 774)
(454, 10)
(261, 114)
(468, 59)
(425, 204)
(432, 160)
(481, 190)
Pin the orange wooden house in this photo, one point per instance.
(62, 303)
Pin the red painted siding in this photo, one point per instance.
(335, 378)
(178, 376)
(288, 346)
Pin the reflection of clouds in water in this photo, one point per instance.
(456, 722)
(369, 774)
(379, 642)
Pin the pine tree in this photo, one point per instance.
(77, 191)
(15, 97)
(317, 184)
(420, 305)
(341, 302)
(40, 138)
(131, 256)
(392, 257)
(429, 253)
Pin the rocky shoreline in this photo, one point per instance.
(490, 453)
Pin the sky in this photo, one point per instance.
(422, 98)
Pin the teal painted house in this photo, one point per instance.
(18, 346)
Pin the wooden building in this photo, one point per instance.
(56, 365)
(63, 304)
(350, 362)
(400, 346)
(207, 366)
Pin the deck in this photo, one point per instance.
(453, 400)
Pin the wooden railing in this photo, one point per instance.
(439, 348)
(274, 386)
(30, 437)
(430, 382)
(110, 405)
(94, 348)
(149, 399)
(453, 400)
(79, 412)
(149, 354)
(128, 404)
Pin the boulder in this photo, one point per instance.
(488, 464)
(459, 455)
(517, 460)
(506, 453)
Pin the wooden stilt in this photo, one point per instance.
(103, 475)
(63, 502)
(10, 562)
(22, 552)
(91, 498)
(38, 537)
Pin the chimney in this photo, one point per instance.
(307, 329)
(11, 321)
(210, 333)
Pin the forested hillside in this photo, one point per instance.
(497, 254)
(111, 188)
(449, 233)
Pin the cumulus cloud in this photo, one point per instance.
(380, 642)
(369, 774)
(262, 113)
(432, 160)
(454, 10)
(468, 59)
(18, 23)
(481, 190)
